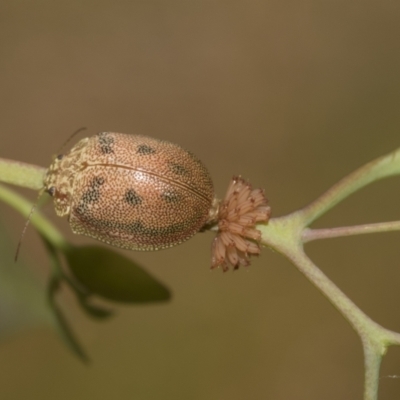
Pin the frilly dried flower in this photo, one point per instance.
(237, 238)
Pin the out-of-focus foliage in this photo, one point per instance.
(22, 296)
(110, 275)
(100, 271)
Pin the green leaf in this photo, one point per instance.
(110, 275)
(80, 293)
(61, 323)
(94, 310)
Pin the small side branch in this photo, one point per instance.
(382, 167)
(315, 234)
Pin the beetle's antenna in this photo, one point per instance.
(27, 224)
(71, 136)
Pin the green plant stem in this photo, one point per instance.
(24, 207)
(372, 364)
(288, 234)
(382, 167)
(374, 337)
(314, 234)
(294, 253)
(21, 174)
(375, 344)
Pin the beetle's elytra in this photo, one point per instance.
(131, 191)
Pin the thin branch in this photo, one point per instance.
(284, 235)
(382, 167)
(44, 226)
(315, 234)
(372, 364)
(21, 174)
(356, 317)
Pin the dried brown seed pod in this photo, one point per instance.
(237, 238)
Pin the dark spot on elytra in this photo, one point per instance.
(97, 181)
(170, 196)
(92, 195)
(179, 169)
(60, 157)
(106, 143)
(132, 197)
(137, 227)
(80, 209)
(145, 150)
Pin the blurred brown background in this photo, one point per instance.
(293, 95)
